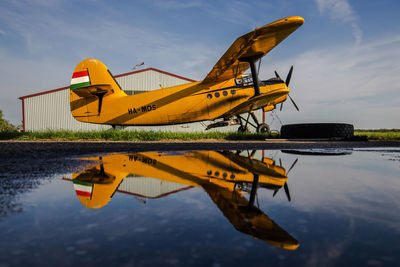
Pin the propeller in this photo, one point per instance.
(291, 99)
(277, 75)
(291, 167)
(285, 186)
(288, 77)
(276, 191)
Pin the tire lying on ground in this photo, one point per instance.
(317, 130)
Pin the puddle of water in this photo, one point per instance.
(308, 208)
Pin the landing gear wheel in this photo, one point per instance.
(243, 129)
(263, 128)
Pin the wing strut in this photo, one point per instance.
(252, 61)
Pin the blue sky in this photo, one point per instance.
(346, 56)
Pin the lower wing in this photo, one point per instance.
(256, 102)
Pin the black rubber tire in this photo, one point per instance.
(263, 128)
(317, 130)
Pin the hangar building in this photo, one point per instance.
(145, 187)
(50, 110)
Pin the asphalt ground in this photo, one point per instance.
(57, 149)
(25, 165)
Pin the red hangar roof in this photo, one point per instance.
(22, 98)
(116, 76)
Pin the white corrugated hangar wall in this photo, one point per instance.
(50, 110)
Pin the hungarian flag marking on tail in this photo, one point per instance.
(80, 79)
(83, 188)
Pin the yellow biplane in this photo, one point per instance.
(225, 93)
(224, 175)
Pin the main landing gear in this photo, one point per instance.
(260, 127)
(243, 124)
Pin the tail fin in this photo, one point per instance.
(91, 83)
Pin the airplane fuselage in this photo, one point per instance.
(182, 104)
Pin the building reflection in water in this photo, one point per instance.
(226, 177)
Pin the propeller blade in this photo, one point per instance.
(281, 106)
(259, 64)
(280, 162)
(285, 186)
(294, 103)
(277, 75)
(276, 191)
(291, 167)
(289, 76)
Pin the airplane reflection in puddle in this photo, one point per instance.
(224, 175)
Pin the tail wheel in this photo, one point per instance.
(263, 128)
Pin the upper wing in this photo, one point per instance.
(259, 41)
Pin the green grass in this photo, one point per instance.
(380, 134)
(111, 135)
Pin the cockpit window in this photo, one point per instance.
(244, 81)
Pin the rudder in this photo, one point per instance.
(91, 83)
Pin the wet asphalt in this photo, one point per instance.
(24, 165)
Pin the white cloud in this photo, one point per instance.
(51, 45)
(23, 76)
(338, 9)
(341, 10)
(237, 12)
(355, 177)
(353, 84)
(358, 85)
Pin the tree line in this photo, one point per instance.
(5, 125)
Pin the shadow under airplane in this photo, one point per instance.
(224, 175)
